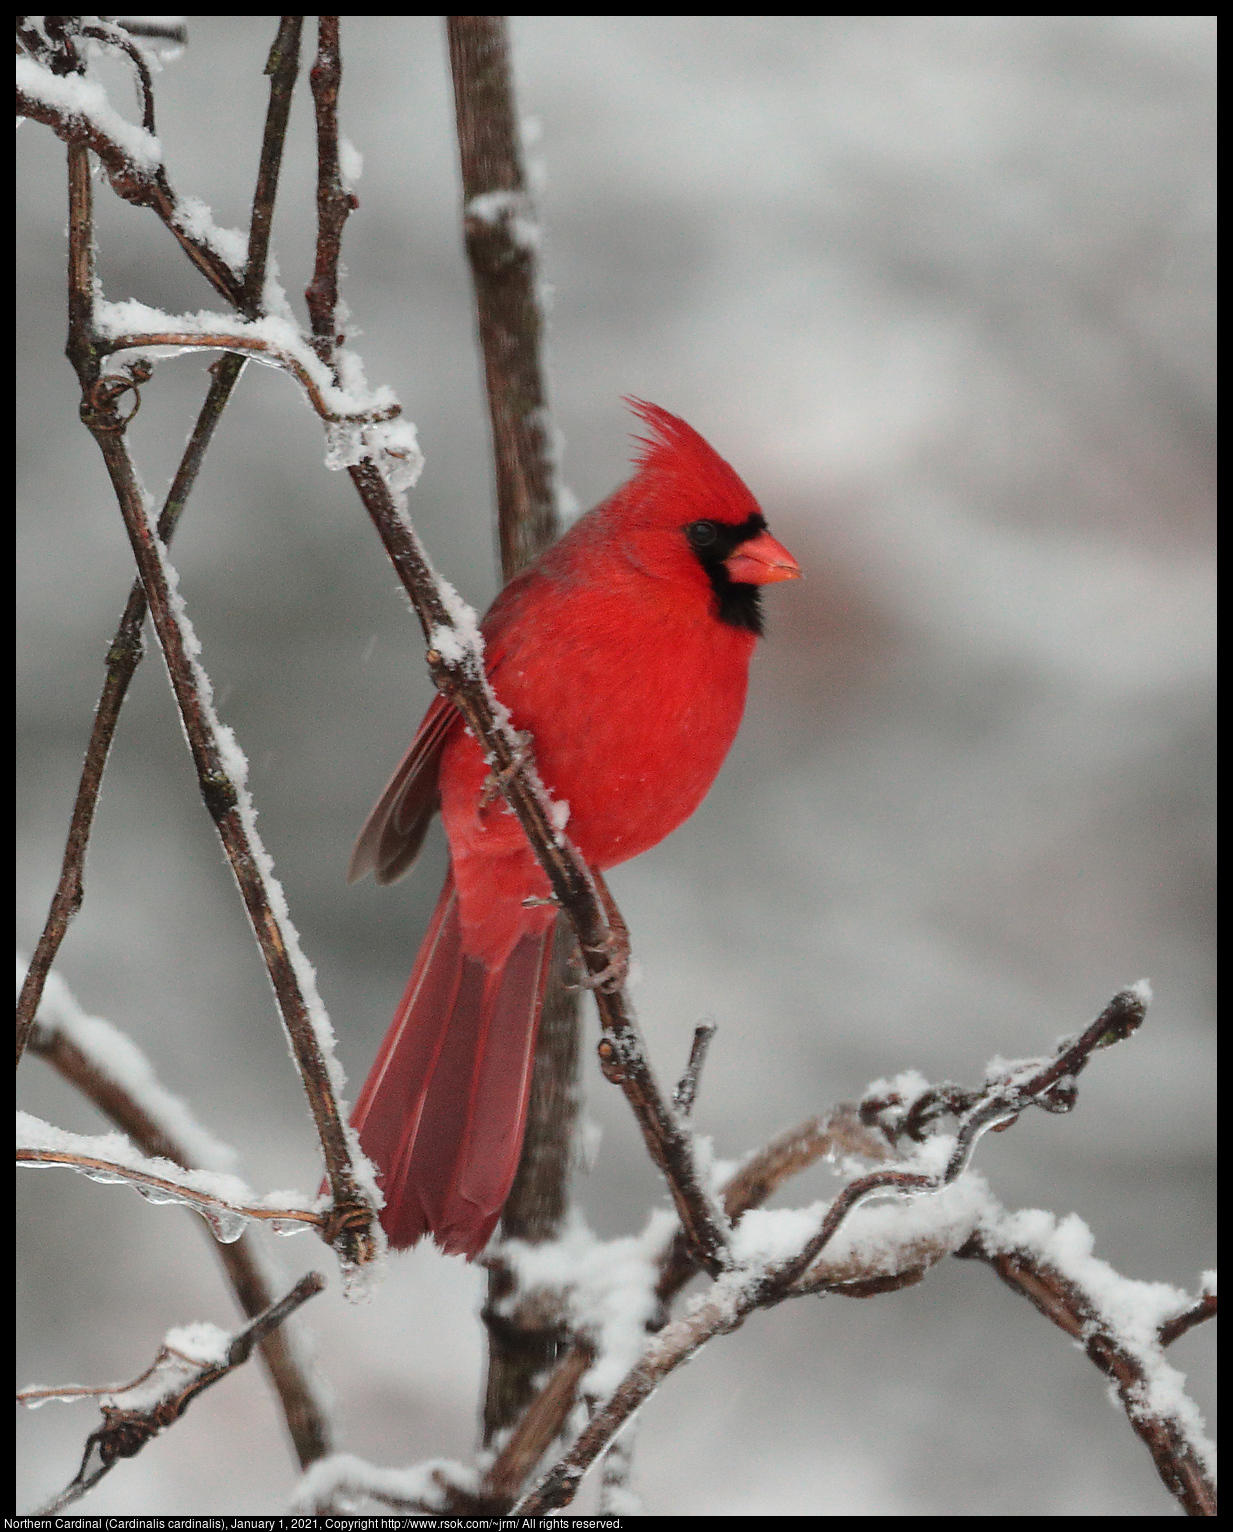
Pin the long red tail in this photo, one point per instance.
(444, 1107)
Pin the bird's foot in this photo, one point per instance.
(495, 782)
(614, 946)
(612, 976)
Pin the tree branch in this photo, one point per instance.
(127, 648)
(174, 1379)
(352, 1227)
(1162, 1417)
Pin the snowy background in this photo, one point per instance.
(942, 291)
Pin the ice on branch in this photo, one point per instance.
(226, 1202)
(393, 444)
(274, 340)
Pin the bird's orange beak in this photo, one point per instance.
(761, 561)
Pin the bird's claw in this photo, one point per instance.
(494, 783)
(610, 978)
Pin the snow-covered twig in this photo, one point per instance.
(76, 109)
(221, 768)
(110, 1071)
(113, 36)
(190, 1360)
(1122, 1325)
(221, 1197)
(842, 1248)
(273, 340)
(127, 647)
(1009, 1089)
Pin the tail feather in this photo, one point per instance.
(444, 1108)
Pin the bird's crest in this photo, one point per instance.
(675, 457)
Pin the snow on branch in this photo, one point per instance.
(344, 1482)
(225, 1201)
(118, 1069)
(1122, 1325)
(848, 1247)
(77, 110)
(191, 1359)
(113, 1073)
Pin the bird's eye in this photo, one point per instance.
(701, 533)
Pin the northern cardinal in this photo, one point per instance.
(624, 650)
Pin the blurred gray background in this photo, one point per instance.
(942, 291)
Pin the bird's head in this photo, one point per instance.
(690, 515)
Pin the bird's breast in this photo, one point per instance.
(631, 713)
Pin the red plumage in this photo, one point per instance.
(624, 650)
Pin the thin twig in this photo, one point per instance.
(238, 341)
(351, 1227)
(1163, 1428)
(114, 37)
(1201, 1310)
(127, 648)
(125, 1432)
(334, 202)
(687, 1085)
(211, 1206)
(1047, 1083)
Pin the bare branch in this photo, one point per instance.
(1202, 1309)
(687, 1086)
(282, 66)
(334, 202)
(502, 240)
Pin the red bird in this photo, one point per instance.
(624, 650)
